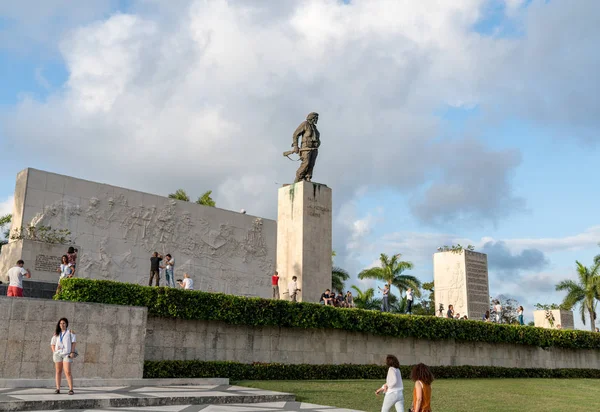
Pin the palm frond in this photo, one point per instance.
(371, 273)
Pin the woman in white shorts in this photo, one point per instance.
(63, 350)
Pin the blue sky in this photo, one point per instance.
(496, 100)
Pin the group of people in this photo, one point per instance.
(160, 265)
(393, 388)
(292, 289)
(17, 273)
(329, 298)
(385, 302)
(488, 316)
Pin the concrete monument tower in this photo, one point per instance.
(304, 221)
(461, 280)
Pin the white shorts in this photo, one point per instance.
(58, 357)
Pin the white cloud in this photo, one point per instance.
(205, 95)
(587, 239)
(215, 89)
(6, 206)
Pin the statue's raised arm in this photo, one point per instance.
(306, 141)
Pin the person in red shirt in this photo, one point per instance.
(275, 285)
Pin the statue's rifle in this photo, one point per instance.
(305, 149)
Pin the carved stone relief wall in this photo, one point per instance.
(461, 280)
(118, 229)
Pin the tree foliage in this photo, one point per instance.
(5, 229)
(174, 303)
(366, 299)
(338, 277)
(426, 305)
(585, 292)
(206, 200)
(390, 272)
(179, 194)
(457, 249)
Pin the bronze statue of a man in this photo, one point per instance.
(309, 135)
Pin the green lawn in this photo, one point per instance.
(453, 395)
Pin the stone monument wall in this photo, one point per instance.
(562, 317)
(461, 280)
(110, 338)
(117, 229)
(450, 282)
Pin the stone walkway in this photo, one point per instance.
(206, 398)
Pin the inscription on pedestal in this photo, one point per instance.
(316, 210)
(46, 263)
(477, 283)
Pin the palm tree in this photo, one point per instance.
(180, 194)
(365, 299)
(585, 293)
(5, 228)
(206, 200)
(391, 273)
(338, 277)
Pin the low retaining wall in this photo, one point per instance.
(110, 338)
(114, 341)
(175, 339)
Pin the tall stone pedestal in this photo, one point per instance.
(304, 239)
(461, 280)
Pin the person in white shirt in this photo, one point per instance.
(66, 269)
(409, 300)
(187, 283)
(63, 352)
(170, 270)
(393, 387)
(498, 310)
(15, 279)
(293, 289)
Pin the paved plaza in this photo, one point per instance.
(213, 398)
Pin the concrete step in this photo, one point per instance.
(86, 383)
(94, 398)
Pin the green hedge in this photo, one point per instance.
(237, 310)
(278, 371)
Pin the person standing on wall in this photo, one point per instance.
(385, 305)
(393, 387)
(409, 300)
(498, 310)
(15, 278)
(520, 316)
(275, 284)
(155, 268)
(293, 289)
(72, 256)
(63, 353)
(170, 270)
(66, 270)
(450, 313)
